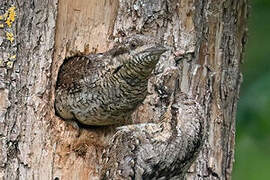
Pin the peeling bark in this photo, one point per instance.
(208, 36)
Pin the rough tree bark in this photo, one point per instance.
(35, 37)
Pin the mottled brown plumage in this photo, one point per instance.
(104, 89)
(94, 94)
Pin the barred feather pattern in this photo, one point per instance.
(97, 98)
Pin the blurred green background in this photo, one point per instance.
(252, 158)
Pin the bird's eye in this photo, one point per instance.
(133, 45)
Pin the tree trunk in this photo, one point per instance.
(208, 36)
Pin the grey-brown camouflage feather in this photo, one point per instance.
(87, 92)
(157, 151)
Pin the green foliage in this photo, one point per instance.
(252, 159)
(260, 2)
